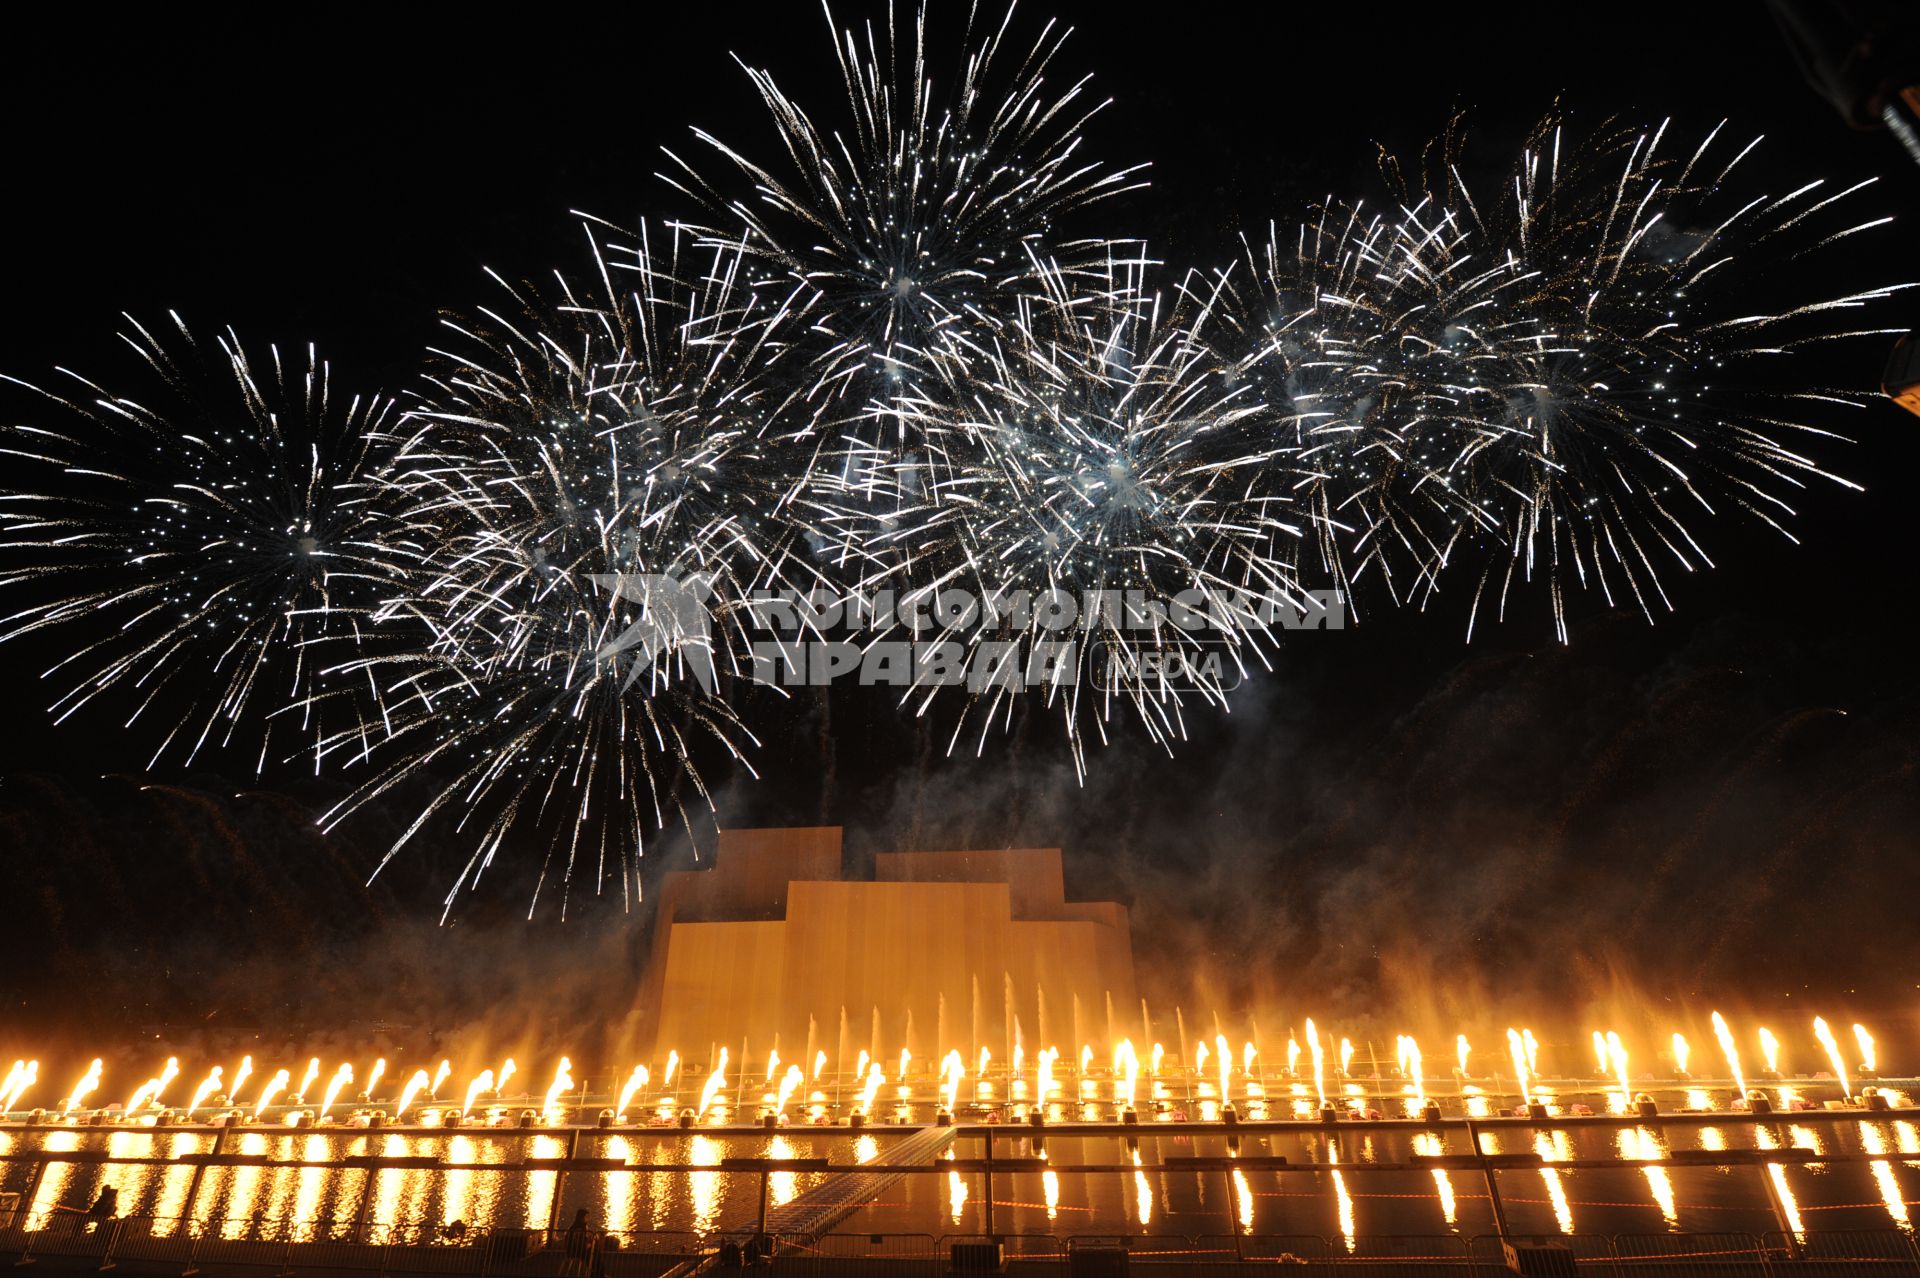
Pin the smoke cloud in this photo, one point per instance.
(1626, 832)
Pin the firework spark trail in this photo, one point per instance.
(1554, 385)
(1324, 330)
(219, 538)
(1091, 445)
(922, 217)
(633, 428)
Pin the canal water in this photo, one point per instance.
(1339, 1181)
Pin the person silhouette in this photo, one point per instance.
(578, 1243)
(105, 1206)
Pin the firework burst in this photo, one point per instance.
(1092, 457)
(1560, 383)
(221, 538)
(1357, 342)
(923, 214)
(591, 460)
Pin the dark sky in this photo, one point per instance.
(338, 179)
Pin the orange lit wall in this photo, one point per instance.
(939, 950)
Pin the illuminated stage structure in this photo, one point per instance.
(773, 944)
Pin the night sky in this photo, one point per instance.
(1722, 806)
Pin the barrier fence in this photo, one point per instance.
(252, 1248)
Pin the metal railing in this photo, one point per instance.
(261, 1249)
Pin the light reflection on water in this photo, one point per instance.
(705, 1151)
(542, 1185)
(1143, 1193)
(457, 1203)
(621, 1196)
(784, 1186)
(1873, 1138)
(484, 1183)
(1551, 1151)
(53, 1186)
(1433, 1145)
(177, 1179)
